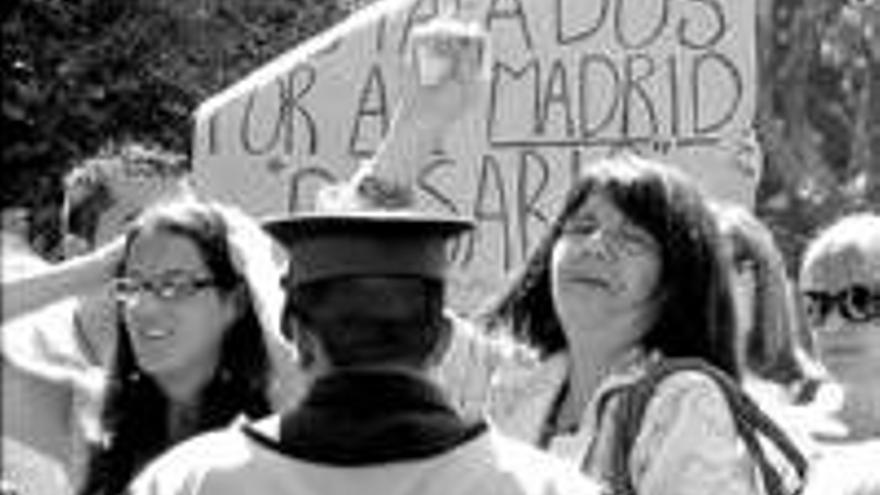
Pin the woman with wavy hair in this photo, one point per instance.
(630, 276)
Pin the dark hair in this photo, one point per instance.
(696, 314)
(775, 349)
(135, 409)
(364, 321)
(87, 186)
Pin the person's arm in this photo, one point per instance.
(36, 410)
(56, 282)
(38, 393)
(443, 80)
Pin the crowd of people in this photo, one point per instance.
(652, 343)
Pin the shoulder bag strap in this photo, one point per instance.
(748, 418)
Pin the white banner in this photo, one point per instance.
(570, 80)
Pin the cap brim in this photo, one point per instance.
(290, 228)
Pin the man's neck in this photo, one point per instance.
(375, 369)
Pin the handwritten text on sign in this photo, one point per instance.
(570, 80)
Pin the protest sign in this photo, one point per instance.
(570, 82)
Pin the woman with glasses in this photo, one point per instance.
(191, 354)
(193, 348)
(630, 275)
(840, 294)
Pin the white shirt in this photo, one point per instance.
(231, 463)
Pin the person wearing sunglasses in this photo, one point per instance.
(854, 304)
(840, 295)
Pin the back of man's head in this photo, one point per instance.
(366, 288)
(371, 321)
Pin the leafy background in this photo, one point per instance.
(76, 72)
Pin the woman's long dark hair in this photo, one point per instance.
(774, 348)
(134, 417)
(696, 317)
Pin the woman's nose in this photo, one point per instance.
(597, 244)
(143, 304)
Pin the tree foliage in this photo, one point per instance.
(820, 114)
(79, 72)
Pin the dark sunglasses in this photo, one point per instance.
(856, 303)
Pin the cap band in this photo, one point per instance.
(327, 257)
(365, 243)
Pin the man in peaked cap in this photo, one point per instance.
(365, 306)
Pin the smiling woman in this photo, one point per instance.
(191, 355)
(174, 310)
(197, 343)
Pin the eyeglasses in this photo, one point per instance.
(857, 304)
(628, 241)
(170, 288)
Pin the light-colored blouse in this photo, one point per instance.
(687, 443)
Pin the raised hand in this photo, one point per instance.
(444, 77)
(446, 72)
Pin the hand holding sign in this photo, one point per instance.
(448, 73)
(445, 77)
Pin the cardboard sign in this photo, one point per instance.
(570, 82)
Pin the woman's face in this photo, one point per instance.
(603, 265)
(174, 313)
(841, 297)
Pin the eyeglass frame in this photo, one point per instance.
(843, 302)
(164, 288)
(634, 243)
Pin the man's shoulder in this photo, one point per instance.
(537, 471)
(488, 463)
(187, 464)
(220, 448)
